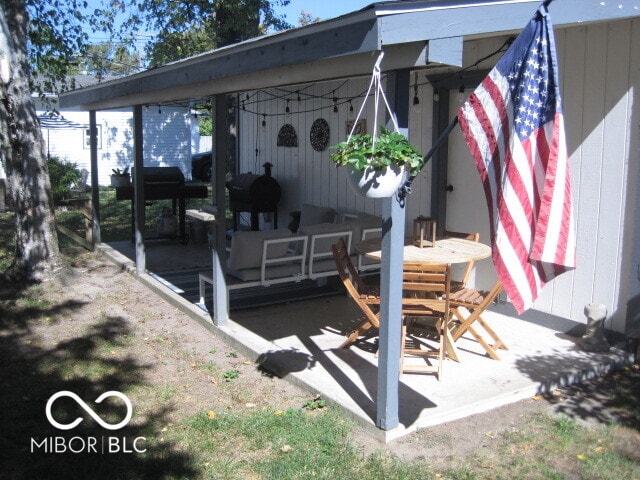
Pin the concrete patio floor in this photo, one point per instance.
(300, 341)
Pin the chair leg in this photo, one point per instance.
(466, 325)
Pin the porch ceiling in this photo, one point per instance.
(413, 33)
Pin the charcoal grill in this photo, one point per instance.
(255, 194)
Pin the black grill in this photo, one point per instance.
(256, 194)
(162, 183)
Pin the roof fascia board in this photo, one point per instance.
(449, 20)
(396, 57)
(351, 35)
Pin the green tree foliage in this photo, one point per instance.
(184, 29)
(108, 59)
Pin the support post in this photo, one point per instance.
(138, 190)
(218, 251)
(393, 225)
(95, 192)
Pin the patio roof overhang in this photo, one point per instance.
(414, 33)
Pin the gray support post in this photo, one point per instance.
(138, 190)
(95, 192)
(393, 221)
(219, 252)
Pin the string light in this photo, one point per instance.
(461, 90)
(436, 94)
(416, 100)
(287, 110)
(264, 121)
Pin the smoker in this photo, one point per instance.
(256, 194)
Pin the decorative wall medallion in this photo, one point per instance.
(287, 136)
(360, 126)
(319, 135)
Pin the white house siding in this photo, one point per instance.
(309, 176)
(167, 140)
(599, 71)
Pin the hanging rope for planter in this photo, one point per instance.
(375, 84)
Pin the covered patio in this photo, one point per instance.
(299, 340)
(420, 39)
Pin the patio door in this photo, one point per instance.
(466, 204)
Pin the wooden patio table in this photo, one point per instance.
(446, 251)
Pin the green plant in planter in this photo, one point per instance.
(391, 148)
(116, 172)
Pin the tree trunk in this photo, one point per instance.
(22, 151)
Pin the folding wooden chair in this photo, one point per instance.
(367, 298)
(426, 290)
(474, 237)
(476, 302)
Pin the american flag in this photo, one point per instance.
(514, 128)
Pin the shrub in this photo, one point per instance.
(63, 175)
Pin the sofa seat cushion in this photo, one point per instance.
(246, 247)
(271, 273)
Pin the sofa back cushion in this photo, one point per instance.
(246, 247)
(322, 244)
(312, 215)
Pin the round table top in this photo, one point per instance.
(446, 251)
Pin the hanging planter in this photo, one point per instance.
(378, 162)
(372, 183)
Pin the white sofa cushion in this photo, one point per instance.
(312, 215)
(363, 222)
(246, 247)
(321, 244)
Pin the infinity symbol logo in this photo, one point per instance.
(86, 407)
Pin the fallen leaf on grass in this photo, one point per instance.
(581, 457)
(248, 362)
(286, 448)
(250, 405)
(211, 414)
(278, 412)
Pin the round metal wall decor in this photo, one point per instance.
(287, 136)
(319, 135)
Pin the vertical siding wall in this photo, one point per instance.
(309, 176)
(600, 81)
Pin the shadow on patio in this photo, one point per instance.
(299, 340)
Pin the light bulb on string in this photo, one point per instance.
(287, 110)
(335, 106)
(461, 90)
(264, 122)
(436, 94)
(416, 100)
(350, 109)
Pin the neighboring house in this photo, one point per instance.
(600, 75)
(168, 141)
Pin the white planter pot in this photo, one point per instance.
(120, 180)
(372, 183)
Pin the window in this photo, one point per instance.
(87, 137)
